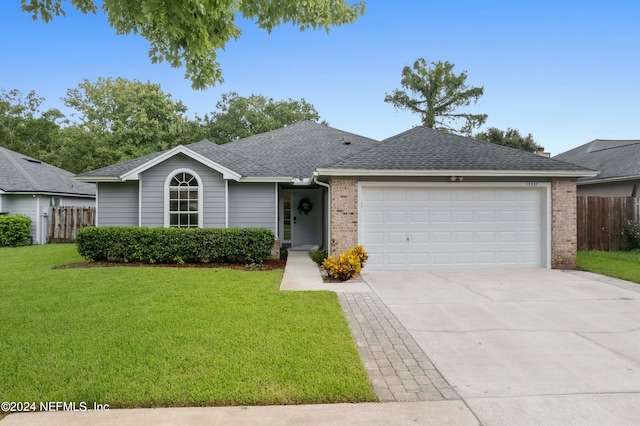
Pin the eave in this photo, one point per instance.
(479, 173)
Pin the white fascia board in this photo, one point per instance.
(53, 194)
(277, 179)
(95, 179)
(181, 149)
(477, 173)
(608, 180)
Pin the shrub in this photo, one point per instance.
(173, 245)
(14, 230)
(630, 233)
(318, 255)
(347, 265)
(284, 253)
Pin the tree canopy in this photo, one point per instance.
(239, 117)
(115, 120)
(511, 138)
(435, 92)
(24, 127)
(190, 32)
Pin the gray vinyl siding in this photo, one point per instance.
(79, 201)
(252, 205)
(26, 205)
(153, 192)
(117, 204)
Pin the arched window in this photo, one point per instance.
(184, 201)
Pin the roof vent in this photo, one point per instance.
(31, 160)
(345, 142)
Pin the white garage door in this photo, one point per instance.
(440, 227)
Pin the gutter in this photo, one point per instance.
(477, 173)
(607, 180)
(326, 185)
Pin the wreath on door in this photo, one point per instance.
(305, 206)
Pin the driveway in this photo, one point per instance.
(526, 346)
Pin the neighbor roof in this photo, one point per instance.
(425, 149)
(615, 159)
(22, 174)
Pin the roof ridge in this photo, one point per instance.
(21, 169)
(630, 143)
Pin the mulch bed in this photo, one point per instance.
(266, 266)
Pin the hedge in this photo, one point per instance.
(14, 230)
(174, 245)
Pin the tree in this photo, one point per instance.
(26, 129)
(511, 138)
(191, 32)
(239, 117)
(126, 119)
(435, 93)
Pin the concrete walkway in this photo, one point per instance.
(417, 413)
(398, 369)
(302, 274)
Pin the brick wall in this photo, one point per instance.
(344, 214)
(564, 233)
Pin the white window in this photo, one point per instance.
(183, 199)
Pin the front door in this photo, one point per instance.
(301, 217)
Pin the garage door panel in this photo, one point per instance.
(396, 238)
(442, 227)
(441, 259)
(464, 216)
(442, 217)
(463, 237)
(373, 217)
(464, 258)
(418, 237)
(440, 237)
(395, 259)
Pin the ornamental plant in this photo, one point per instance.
(347, 265)
(14, 230)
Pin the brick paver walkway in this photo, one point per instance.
(398, 369)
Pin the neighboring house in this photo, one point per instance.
(618, 163)
(30, 187)
(421, 199)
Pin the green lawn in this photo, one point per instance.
(150, 337)
(618, 264)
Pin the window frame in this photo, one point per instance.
(167, 190)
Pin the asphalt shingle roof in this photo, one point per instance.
(422, 148)
(292, 151)
(20, 173)
(299, 149)
(613, 158)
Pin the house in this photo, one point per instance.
(30, 187)
(618, 163)
(421, 199)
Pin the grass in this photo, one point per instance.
(617, 264)
(151, 337)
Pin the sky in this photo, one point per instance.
(565, 71)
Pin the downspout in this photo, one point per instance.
(326, 185)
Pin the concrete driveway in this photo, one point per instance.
(526, 346)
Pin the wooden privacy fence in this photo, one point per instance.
(599, 221)
(66, 220)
